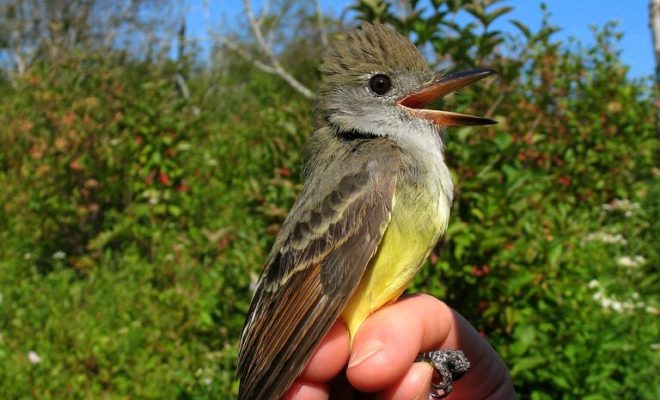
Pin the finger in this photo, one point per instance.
(307, 391)
(414, 385)
(387, 343)
(441, 327)
(330, 357)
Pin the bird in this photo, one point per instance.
(375, 199)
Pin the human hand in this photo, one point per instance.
(386, 345)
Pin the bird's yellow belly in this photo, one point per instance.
(415, 227)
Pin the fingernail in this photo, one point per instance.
(367, 351)
(426, 371)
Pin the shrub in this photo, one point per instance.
(137, 221)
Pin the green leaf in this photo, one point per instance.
(527, 363)
(503, 140)
(523, 28)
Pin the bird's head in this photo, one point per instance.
(376, 81)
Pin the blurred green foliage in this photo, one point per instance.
(134, 222)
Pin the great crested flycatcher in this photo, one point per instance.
(375, 200)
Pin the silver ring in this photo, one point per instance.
(449, 365)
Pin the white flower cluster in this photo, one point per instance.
(611, 303)
(630, 261)
(210, 160)
(33, 357)
(624, 205)
(607, 238)
(152, 195)
(205, 376)
(183, 146)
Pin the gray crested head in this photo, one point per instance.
(364, 78)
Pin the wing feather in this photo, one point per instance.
(317, 261)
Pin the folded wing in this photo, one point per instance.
(317, 261)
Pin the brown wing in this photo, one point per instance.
(323, 249)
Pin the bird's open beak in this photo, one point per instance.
(443, 86)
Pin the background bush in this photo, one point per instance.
(135, 220)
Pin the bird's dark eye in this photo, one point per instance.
(380, 84)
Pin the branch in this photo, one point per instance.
(182, 86)
(247, 56)
(321, 24)
(494, 106)
(21, 53)
(113, 28)
(654, 23)
(265, 8)
(274, 67)
(535, 125)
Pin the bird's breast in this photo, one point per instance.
(419, 216)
